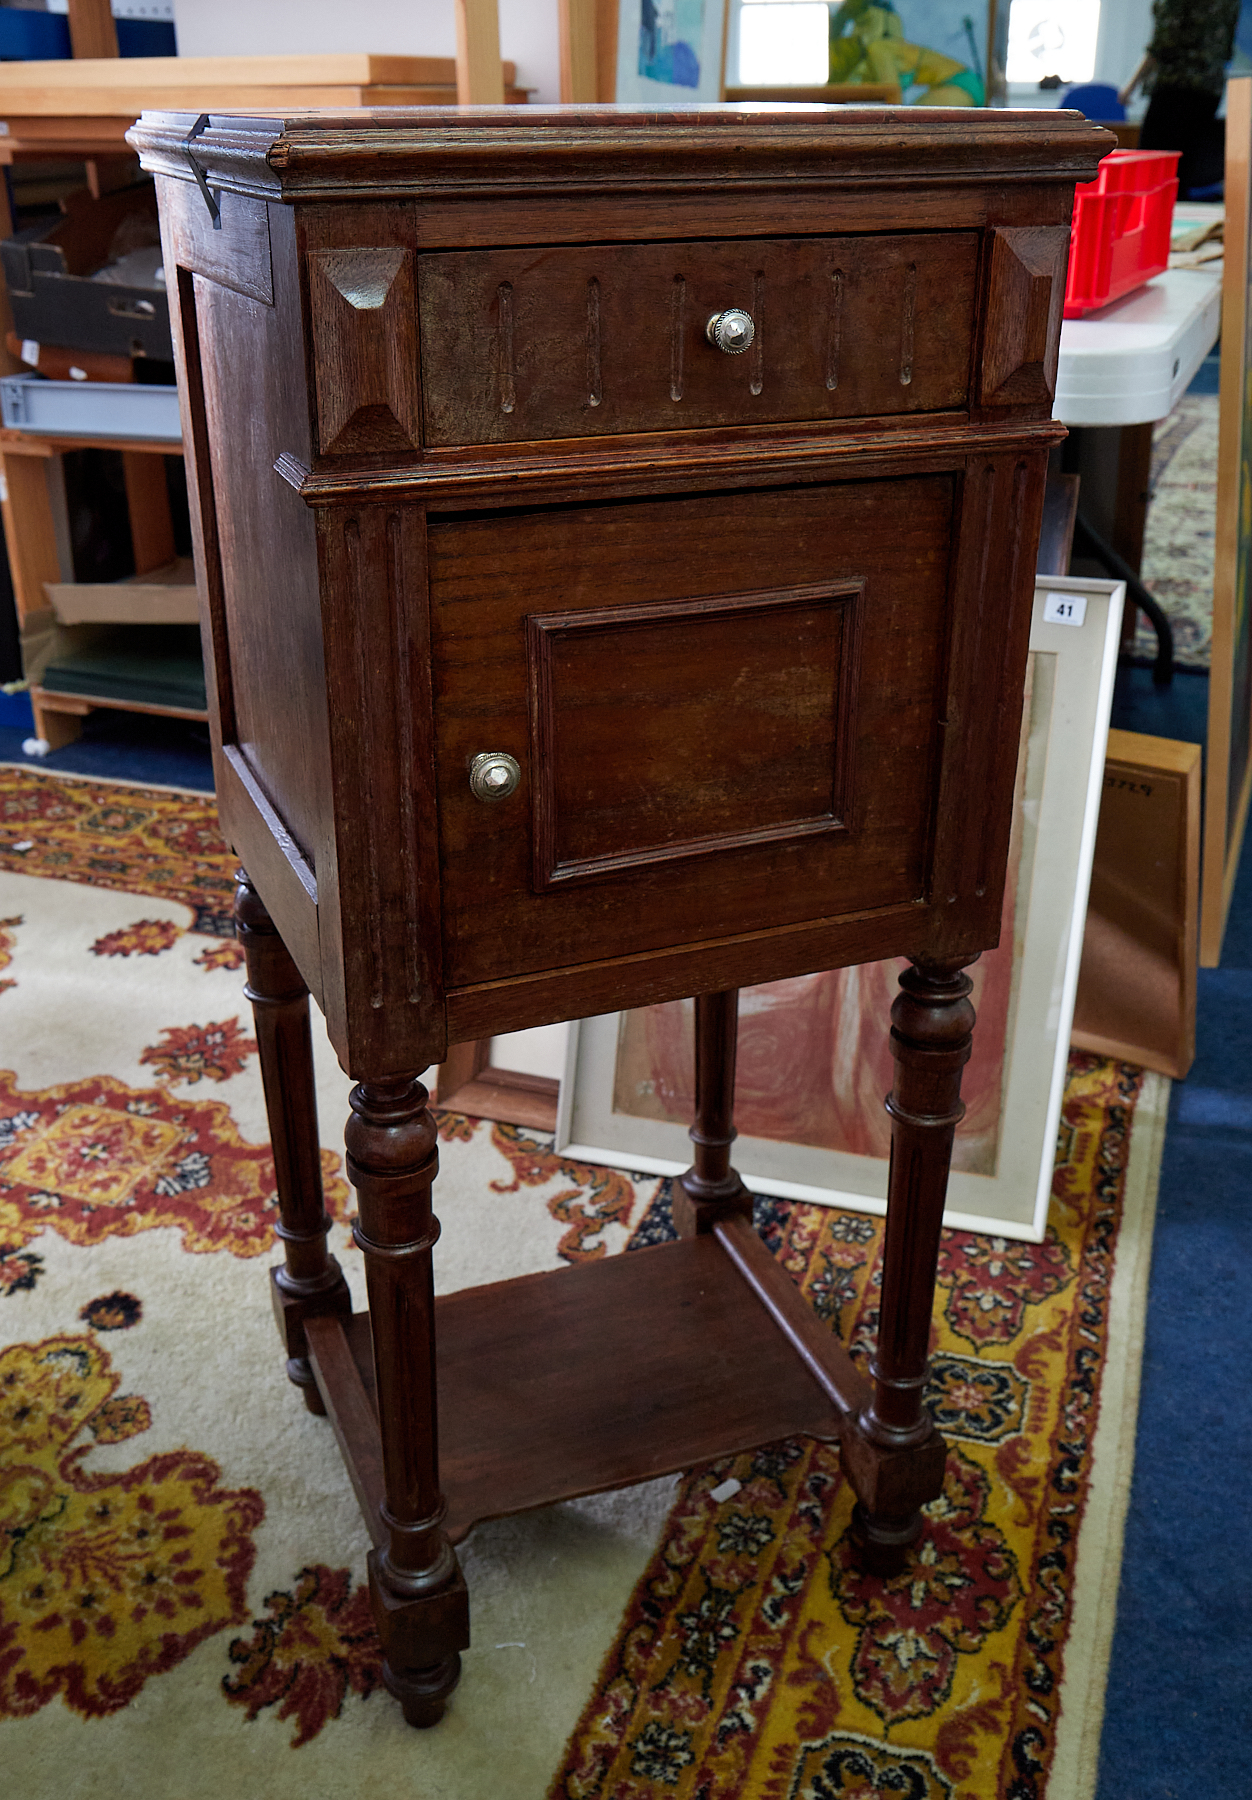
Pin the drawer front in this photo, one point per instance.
(724, 709)
(572, 342)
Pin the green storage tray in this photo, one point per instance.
(149, 665)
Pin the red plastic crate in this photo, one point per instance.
(1120, 235)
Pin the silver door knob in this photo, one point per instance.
(731, 331)
(494, 775)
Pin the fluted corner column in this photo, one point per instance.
(418, 1594)
(895, 1457)
(309, 1282)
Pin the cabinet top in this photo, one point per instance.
(373, 152)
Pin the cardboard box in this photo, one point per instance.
(1137, 983)
(165, 596)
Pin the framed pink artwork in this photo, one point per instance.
(814, 1057)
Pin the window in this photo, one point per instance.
(1053, 37)
(782, 42)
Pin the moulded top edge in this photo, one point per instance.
(427, 148)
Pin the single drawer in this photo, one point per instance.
(585, 341)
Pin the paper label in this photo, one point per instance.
(1065, 609)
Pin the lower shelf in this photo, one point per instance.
(59, 717)
(584, 1379)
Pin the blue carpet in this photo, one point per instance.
(1177, 711)
(138, 747)
(1178, 1710)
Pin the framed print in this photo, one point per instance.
(670, 52)
(916, 52)
(1228, 772)
(934, 50)
(814, 1054)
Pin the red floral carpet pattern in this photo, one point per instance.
(96, 1159)
(6, 948)
(757, 1661)
(193, 1053)
(146, 937)
(138, 840)
(105, 1580)
(598, 1197)
(316, 1645)
(226, 955)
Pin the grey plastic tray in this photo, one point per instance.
(96, 409)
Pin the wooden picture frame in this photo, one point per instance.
(468, 1082)
(699, 67)
(1063, 759)
(1229, 771)
(1137, 983)
(588, 39)
(589, 36)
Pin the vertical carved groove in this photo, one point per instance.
(986, 538)
(595, 392)
(365, 765)
(834, 329)
(404, 727)
(906, 325)
(504, 332)
(756, 380)
(678, 309)
(1016, 515)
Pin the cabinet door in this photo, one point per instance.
(725, 710)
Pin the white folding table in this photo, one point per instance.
(1121, 369)
(1131, 362)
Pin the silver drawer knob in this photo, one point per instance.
(494, 775)
(732, 330)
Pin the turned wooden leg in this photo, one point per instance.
(893, 1454)
(711, 1190)
(417, 1591)
(310, 1281)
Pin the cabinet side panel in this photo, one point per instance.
(200, 499)
(256, 408)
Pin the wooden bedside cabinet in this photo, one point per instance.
(616, 536)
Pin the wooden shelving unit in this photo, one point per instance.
(30, 530)
(80, 110)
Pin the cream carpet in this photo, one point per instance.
(165, 1327)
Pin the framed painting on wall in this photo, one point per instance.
(919, 52)
(814, 1056)
(1228, 772)
(934, 50)
(670, 52)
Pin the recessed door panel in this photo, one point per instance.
(631, 760)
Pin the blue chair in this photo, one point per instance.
(1096, 100)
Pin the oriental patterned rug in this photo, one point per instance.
(1179, 539)
(182, 1602)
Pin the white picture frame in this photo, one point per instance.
(1073, 662)
(687, 40)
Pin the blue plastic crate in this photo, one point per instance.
(45, 37)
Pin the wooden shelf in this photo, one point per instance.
(81, 704)
(552, 1386)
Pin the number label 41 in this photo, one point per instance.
(1065, 609)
